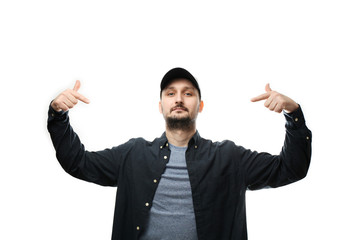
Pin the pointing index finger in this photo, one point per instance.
(78, 95)
(261, 97)
(82, 98)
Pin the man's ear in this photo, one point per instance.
(160, 107)
(201, 107)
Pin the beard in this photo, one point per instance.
(185, 123)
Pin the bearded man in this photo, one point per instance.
(180, 185)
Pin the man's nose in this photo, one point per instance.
(179, 98)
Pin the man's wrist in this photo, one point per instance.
(293, 108)
(53, 114)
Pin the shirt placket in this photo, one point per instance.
(164, 156)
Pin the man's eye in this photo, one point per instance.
(170, 94)
(188, 94)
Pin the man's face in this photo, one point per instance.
(180, 100)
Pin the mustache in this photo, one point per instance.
(179, 106)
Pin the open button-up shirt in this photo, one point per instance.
(219, 173)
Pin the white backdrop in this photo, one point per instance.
(308, 50)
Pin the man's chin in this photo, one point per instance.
(179, 122)
(179, 116)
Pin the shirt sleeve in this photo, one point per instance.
(292, 164)
(99, 167)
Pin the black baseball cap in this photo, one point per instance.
(177, 73)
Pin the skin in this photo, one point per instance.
(68, 99)
(276, 102)
(180, 92)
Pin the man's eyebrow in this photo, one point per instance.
(172, 87)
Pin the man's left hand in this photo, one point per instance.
(275, 101)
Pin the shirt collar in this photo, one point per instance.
(195, 139)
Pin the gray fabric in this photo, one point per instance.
(172, 212)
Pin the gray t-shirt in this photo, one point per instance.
(172, 212)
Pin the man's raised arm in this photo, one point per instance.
(98, 167)
(264, 169)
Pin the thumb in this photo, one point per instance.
(77, 86)
(267, 88)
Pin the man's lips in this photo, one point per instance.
(179, 109)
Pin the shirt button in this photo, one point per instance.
(155, 181)
(161, 147)
(167, 144)
(195, 146)
(147, 204)
(53, 115)
(296, 119)
(307, 138)
(165, 157)
(138, 228)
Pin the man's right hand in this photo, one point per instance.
(68, 99)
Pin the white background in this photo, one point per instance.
(308, 50)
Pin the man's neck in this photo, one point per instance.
(180, 138)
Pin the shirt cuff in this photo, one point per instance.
(52, 114)
(295, 119)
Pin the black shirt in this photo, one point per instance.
(219, 172)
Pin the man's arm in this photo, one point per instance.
(99, 167)
(263, 169)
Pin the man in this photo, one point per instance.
(181, 186)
